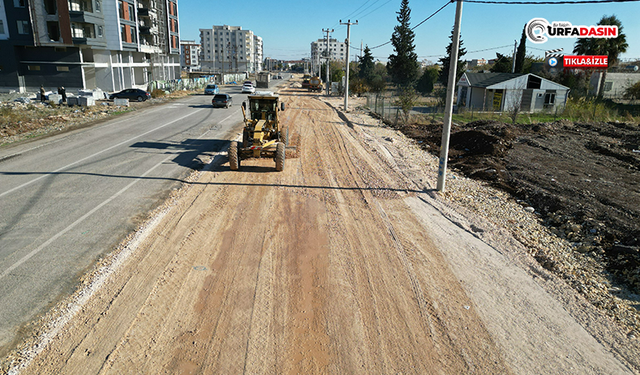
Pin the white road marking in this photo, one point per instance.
(83, 217)
(80, 220)
(95, 154)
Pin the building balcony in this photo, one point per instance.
(85, 17)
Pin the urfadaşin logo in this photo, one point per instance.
(539, 30)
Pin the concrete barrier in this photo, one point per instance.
(121, 102)
(86, 101)
(55, 99)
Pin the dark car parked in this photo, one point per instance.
(132, 94)
(221, 100)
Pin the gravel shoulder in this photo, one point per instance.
(346, 262)
(506, 242)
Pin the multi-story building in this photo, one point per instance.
(190, 55)
(86, 44)
(336, 52)
(229, 49)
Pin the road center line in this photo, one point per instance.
(95, 154)
(80, 220)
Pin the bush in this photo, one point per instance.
(157, 93)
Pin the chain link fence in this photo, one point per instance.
(388, 110)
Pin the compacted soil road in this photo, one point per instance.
(321, 268)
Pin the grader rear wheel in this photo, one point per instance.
(234, 161)
(279, 156)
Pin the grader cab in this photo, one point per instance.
(261, 136)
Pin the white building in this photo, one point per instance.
(230, 49)
(190, 55)
(337, 51)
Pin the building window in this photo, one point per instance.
(131, 12)
(23, 27)
(100, 32)
(20, 3)
(98, 6)
(54, 30)
(62, 68)
(1, 27)
(33, 67)
(133, 34)
(50, 6)
(549, 98)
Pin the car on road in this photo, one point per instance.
(131, 94)
(248, 89)
(211, 89)
(221, 100)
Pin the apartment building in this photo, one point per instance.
(189, 55)
(87, 44)
(337, 51)
(229, 49)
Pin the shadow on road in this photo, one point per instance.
(188, 151)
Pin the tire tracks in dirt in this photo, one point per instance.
(321, 268)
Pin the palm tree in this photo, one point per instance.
(612, 47)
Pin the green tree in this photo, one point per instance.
(427, 80)
(366, 65)
(403, 65)
(503, 64)
(612, 47)
(521, 52)
(446, 60)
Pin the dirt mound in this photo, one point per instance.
(581, 177)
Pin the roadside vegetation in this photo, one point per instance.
(19, 121)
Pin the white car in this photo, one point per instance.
(248, 89)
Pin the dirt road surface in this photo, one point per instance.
(337, 265)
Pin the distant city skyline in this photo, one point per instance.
(289, 27)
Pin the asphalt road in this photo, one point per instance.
(68, 199)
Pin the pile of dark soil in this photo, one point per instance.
(583, 179)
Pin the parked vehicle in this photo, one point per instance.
(132, 94)
(211, 89)
(248, 89)
(221, 100)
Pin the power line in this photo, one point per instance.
(423, 21)
(355, 11)
(549, 2)
(376, 9)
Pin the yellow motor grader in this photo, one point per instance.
(261, 136)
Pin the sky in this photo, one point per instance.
(288, 27)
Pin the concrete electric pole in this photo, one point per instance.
(446, 128)
(327, 56)
(346, 88)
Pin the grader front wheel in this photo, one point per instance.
(280, 156)
(234, 161)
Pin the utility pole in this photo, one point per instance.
(446, 128)
(346, 88)
(513, 63)
(327, 55)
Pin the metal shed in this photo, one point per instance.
(504, 91)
